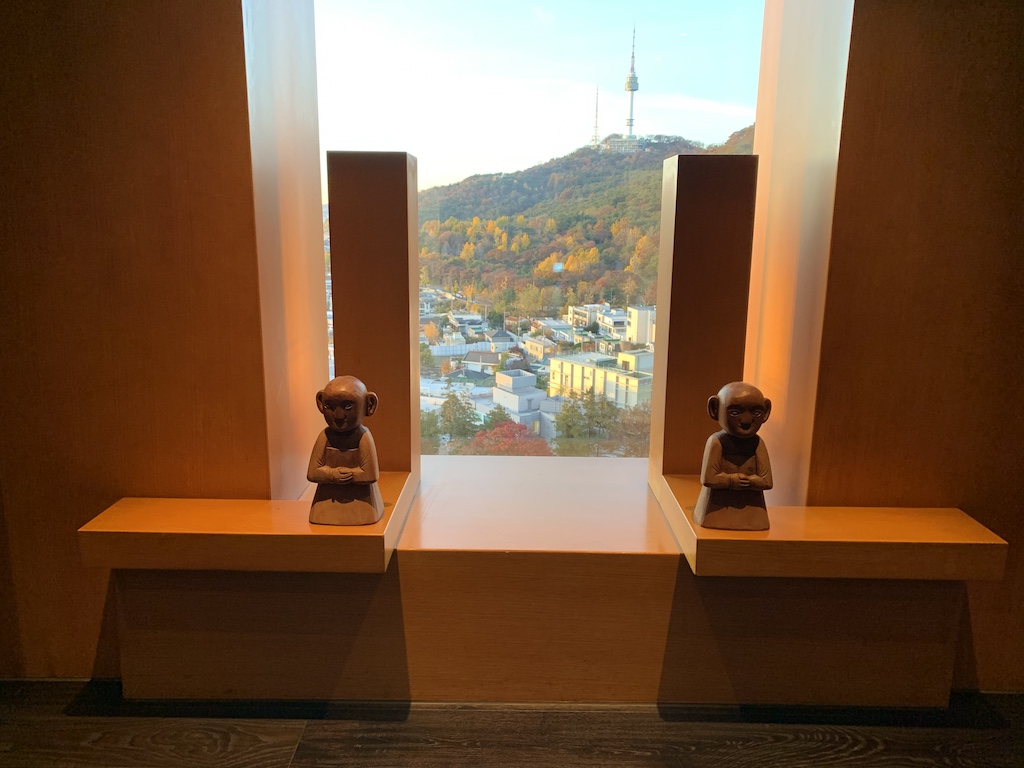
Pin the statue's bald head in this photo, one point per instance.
(345, 384)
(740, 408)
(345, 402)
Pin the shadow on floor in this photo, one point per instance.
(103, 698)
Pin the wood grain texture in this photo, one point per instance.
(461, 615)
(230, 635)
(132, 743)
(129, 295)
(921, 342)
(90, 725)
(240, 535)
(375, 281)
(555, 738)
(707, 220)
(505, 626)
(840, 542)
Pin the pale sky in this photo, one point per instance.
(474, 87)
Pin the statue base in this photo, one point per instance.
(346, 505)
(731, 510)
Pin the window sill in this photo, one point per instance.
(542, 505)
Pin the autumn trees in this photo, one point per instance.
(579, 229)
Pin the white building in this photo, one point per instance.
(640, 325)
(612, 323)
(625, 380)
(466, 323)
(556, 329)
(516, 391)
(584, 314)
(500, 340)
(482, 362)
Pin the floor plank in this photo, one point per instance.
(147, 743)
(89, 725)
(608, 738)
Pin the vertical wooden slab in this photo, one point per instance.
(375, 285)
(707, 220)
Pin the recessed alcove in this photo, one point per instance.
(585, 575)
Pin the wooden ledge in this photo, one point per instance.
(836, 542)
(243, 535)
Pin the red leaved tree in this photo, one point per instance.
(507, 439)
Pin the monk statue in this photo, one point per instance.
(344, 459)
(736, 471)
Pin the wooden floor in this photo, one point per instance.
(79, 725)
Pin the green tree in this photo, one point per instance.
(426, 359)
(571, 424)
(458, 418)
(430, 424)
(599, 413)
(631, 432)
(497, 415)
(430, 431)
(528, 300)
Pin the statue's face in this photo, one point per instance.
(742, 413)
(343, 407)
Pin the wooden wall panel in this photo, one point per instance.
(707, 222)
(132, 360)
(375, 282)
(921, 347)
(537, 626)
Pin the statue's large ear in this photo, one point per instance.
(767, 410)
(320, 401)
(371, 403)
(713, 404)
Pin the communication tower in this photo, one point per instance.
(595, 140)
(632, 85)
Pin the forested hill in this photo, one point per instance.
(578, 228)
(582, 173)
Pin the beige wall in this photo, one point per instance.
(804, 51)
(130, 317)
(284, 129)
(921, 349)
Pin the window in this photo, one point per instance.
(537, 264)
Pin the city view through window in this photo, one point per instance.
(540, 134)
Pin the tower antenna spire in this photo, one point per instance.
(632, 85)
(595, 141)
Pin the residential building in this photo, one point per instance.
(612, 323)
(538, 348)
(466, 323)
(584, 314)
(636, 360)
(516, 391)
(483, 362)
(640, 324)
(428, 302)
(602, 374)
(500, 340)
(559, 330)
